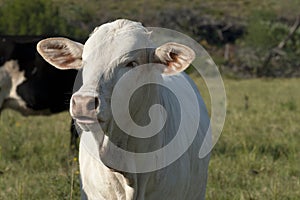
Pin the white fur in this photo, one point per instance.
(103, 55)
(5, 85)
(184, 179)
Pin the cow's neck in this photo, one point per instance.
(109, 154)
(140, 104)
(115, 141)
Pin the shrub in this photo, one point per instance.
(34, 17)
(264, 33)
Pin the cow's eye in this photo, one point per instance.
(132, 64)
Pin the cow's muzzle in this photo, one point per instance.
(84, 109)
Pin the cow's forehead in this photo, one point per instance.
(115, 39)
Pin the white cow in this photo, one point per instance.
(112, 50)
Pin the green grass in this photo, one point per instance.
(35, 161)
(257, 156)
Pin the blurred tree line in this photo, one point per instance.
(242, 36)
(35, 17)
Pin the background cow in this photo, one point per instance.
(30, 85)
(112, 50)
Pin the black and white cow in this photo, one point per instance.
(30, 85)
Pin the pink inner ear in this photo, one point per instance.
(176, 65)
(173, 56)
(174, 60)
(68, 59)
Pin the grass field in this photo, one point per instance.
(257, 156)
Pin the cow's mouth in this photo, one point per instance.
(90, 124)
(86, 120)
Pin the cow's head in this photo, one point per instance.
(6, 47)
(112, 50)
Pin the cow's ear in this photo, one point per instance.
(176, 57)
(62, 53)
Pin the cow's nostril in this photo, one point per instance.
(96, 103)
(92, 104)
